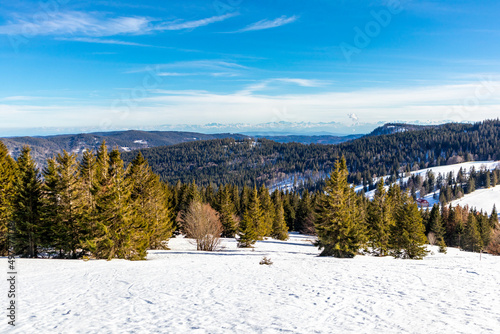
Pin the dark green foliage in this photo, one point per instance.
(241, 162)
(7, 175)
(280, 229)
(472, 235)
(252, 219)
(227, 212)
(340, 228)
(152, 216)
(380, 221)
(408, 232)
(27, 207)
(63, 212)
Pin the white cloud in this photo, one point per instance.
(101, 41)
(467, 102)
(260, 86)
(71, 23)
(178, 25)
(268, 24)
(96, 25)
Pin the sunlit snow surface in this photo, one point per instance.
(185, 291)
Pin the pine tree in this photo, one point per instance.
(89, 186)
(114, 236)
(63, 204)
(151, 224)
(472, 236)
(252, 218)
(339, 224)
(380, 220)
(7, 175)
(408, 233)
(227, 212)
(435, 223)
(27, 206)
(304, 219)
(280, 229)
(493, 217)
(266, 228)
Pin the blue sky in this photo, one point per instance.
(129, 64)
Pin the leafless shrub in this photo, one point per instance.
(202, 223)
(432, 238)
(266, 261)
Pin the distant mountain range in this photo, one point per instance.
(47, 146)
(274, 128)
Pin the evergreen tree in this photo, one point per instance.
(266, 228)
(280, 229)
(304, 219)
(114, 236)
(339, 226)
(380, 220)
(408, 233)
(7, 175)
(89, 186)
(435, 223)
(472, 236)
(252, 218)
(27, 206)
(227, 212)
(152, 216)
(493, 217)
(63, 205)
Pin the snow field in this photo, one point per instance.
(185, 291)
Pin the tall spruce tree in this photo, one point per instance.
(280, 229)
(252, 218)
(408, 233)
(266, 228)
(340, 227)
(472, 236)
(64, 204)
(7, 175)
(27, 206)
(114, 236)
(380, 220)
(227, 212)
(152, 215)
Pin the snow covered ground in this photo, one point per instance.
(185, 291)
(481, 199)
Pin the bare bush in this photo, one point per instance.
(266, 261)
(431, 237)
(202, 223)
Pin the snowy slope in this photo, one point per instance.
(482, 199)
(184, 291)
(466, 166)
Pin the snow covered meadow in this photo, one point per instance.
(185, 291)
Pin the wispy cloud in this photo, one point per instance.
(101, 41)
(268, 24)
(77, 23)
(97, 25)
(179, 25)
(437, 103)
(216, 68)
(265, 84)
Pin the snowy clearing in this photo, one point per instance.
(185, 291)
(481, 199)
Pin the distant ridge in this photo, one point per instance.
(48, 146)
(391, 128)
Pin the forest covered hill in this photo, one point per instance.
(48, 146)
(266, 162)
